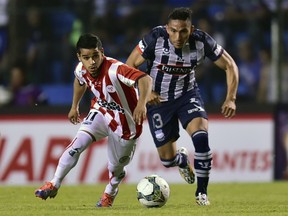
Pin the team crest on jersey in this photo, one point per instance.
(83, 71)
(159, 135)
(110, 89)
(166, 52)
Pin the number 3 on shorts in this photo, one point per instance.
(157, 121)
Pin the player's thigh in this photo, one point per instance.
(163, 124)
(120, 151)
(192, 113)
(95, 124)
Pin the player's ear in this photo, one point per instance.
(167, 28)
(192, 28)
(78, 56)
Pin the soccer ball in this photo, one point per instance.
(153, 191)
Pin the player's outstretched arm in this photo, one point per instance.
(227, 63)
(145, 88)
(135, 59)
(78, 92)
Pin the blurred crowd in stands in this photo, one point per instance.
(38, 38)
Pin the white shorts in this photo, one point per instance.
(120, 151)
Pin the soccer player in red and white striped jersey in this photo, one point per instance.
(117, 112)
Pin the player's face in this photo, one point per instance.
(179, 32)
(92, 60)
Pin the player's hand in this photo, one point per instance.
(139, 113)
(74, 116)
(228, 108)
(154, 98)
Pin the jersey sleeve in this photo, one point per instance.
(129, 75)
(78, 72)
(212, 50)
(147, 44)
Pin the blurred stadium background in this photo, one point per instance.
(38, 38)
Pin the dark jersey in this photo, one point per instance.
(173, 70)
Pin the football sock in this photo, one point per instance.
(202, 160)
(179, 160)
(115, 178)
(70, 156)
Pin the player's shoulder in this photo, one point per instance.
(109, 61)
(118, 65)
(113, 65)
(150, 39)
(204, 37)
(79, 66)
(198, 34)
(158, 31)
(80, 69)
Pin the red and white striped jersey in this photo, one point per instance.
(115, 95)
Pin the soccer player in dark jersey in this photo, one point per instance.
(172, 53)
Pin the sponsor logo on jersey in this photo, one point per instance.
(110, 89)
(110, 106)
(175, 70)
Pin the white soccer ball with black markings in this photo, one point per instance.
(153, 191)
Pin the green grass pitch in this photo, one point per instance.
(226, 199)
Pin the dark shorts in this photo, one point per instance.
(164, 118)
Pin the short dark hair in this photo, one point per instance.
(88, 41)
(181, 13)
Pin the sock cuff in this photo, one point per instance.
(170, 163)
(199, 132)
